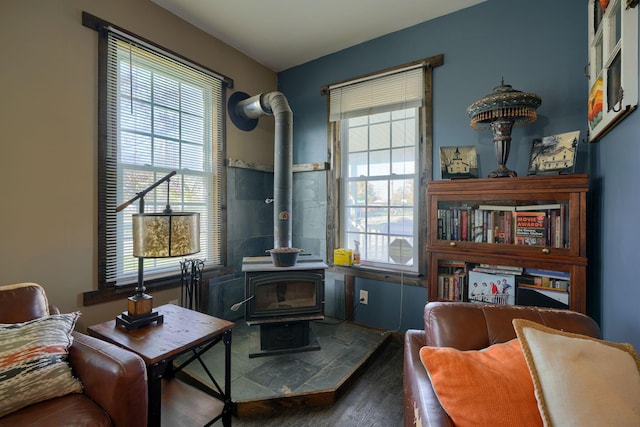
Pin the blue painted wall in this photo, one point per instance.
(538, 47)
(616, 248)
(391, 307)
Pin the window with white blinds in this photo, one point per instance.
(398, 90)
(379, 146)
(160, 115)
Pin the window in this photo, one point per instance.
(381, 127)
(613, 64)
(158, 114)
(380, 154)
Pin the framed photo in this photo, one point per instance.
(554, 154)
(459, 162)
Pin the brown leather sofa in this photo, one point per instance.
(468, 326)
(114, 379)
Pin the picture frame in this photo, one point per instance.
(612, 69)
(555, 154)
(459, 162)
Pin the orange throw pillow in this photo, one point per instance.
(490, 387)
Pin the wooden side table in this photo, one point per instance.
(182, 331)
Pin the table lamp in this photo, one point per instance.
(156, 235)
(500, 110)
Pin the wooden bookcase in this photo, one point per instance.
(463, 237)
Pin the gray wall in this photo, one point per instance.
(250, 219)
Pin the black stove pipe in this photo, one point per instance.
(244, 112)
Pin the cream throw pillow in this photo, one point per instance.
(579, 380)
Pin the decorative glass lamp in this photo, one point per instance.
(500, 110)
(157, 235)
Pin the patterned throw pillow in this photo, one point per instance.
(33, 361)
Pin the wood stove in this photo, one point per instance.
(283, 300)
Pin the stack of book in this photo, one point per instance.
(502, 284)
(452, 280)
(535, 225)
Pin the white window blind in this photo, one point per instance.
(161, 115)
(379, 134)
(396, 91)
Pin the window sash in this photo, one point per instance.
(382, 243)
(158, 115)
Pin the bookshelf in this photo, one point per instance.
(527, 232)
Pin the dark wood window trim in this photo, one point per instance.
(98, 24)
(426, 167)
(109, 292)
(121, 292)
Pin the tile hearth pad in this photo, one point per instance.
(345, 347)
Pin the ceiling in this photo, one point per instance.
(281, 34)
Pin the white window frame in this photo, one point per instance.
(613, 65)
(357, 216)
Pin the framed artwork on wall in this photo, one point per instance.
(459, 162)
(555, 154)
(613, 64)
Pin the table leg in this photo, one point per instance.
(154, 387)
(226, 416)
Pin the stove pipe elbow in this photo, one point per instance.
(244, 112)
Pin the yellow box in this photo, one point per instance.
(343, 257)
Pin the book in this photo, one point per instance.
(444, 285)
(478, 226)
(538, 207)
(498, 269)
(488, 221)
(451, 286)
(452, 281)
(563, 275)
(464, 225)
(530, 228)
(450, 267)
(497, 208)
(502, 223)
(491, 288)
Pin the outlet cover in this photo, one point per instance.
(364, 296)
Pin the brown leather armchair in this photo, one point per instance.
(114, 380)
(468, 326)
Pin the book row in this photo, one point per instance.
(536, 225)
(502, 285)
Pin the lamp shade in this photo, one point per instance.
(500, 110)
(504, 103)
(164, 235)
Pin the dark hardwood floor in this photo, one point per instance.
(372, 399)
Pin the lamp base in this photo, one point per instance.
(503, 172)
(139, 304)
(131, 323)
(140, 313)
